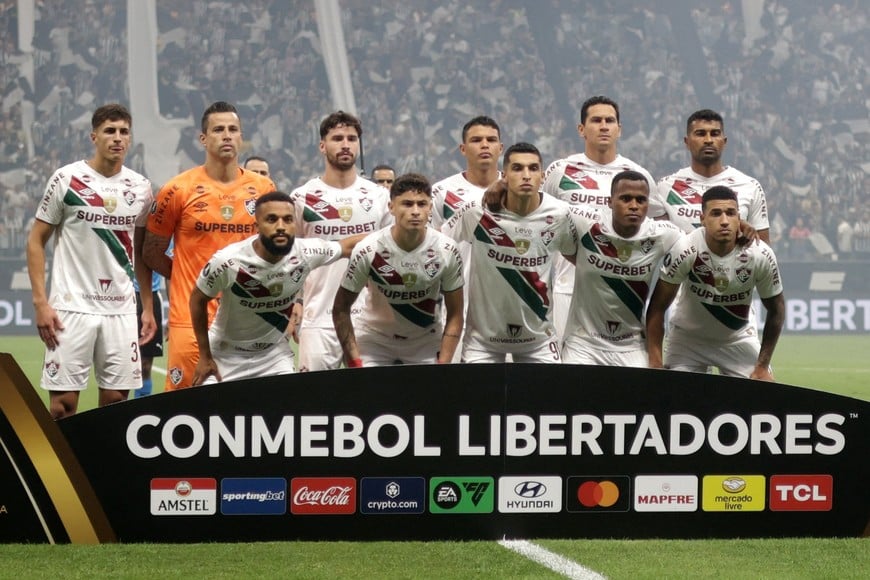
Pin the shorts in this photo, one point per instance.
(319, 350)
(236, 364)
(181, 358)
(108, 343)
(560, 312)
(476, 351)
(154, 347)
(378, 350)
(580, 352)
(733, 359)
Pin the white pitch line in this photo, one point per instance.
(555, 562)
(160, 370)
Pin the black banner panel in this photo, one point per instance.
(479, 452)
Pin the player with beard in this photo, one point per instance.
(258, 280)
(678, 196)
(200, 211)
(334, 206)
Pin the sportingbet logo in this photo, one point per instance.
(253, 496)
(461, 495)
(323, 495)
(806, 493)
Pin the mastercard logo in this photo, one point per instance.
(598, 494)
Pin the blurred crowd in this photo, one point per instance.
(790, 81)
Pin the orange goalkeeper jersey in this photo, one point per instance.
(203, 216)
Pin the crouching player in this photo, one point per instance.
(258, 280)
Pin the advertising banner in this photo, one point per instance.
(478, 451)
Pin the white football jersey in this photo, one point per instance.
(679, 197)
(716, 294)
(95, 215)
(509, 296)
(256, 296)
(333, 214)
(613, 277)
(449, 194)
(577, 180)
(404, 298)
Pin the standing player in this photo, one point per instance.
(678, 196)
(481, 146)
(384, 175)
(408, 266)
(332, 207)
(584, 178)
(511, 265)
(618, 252)
(258, 279)
(257, 165)
(202, 210)
(711, 325)
(96, 209)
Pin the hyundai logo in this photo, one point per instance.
(530, 489)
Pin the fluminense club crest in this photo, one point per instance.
(432, 268)
(52, 368)
(250, 206)
(365, 203)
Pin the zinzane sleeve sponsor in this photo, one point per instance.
(216, 275)
(357, 274)
(767, 280)
(319, 252)
(452, 278)
(553, 178)
(566, 235)
(50, 209)
(678, 261)
(165, 211)
(757, 214)
(461, 226)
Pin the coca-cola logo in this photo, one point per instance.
(334, 495)
(323, 495)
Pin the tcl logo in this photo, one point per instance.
(809, 493)
(323, 495)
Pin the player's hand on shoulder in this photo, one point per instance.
(493, 197)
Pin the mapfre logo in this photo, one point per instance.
(323, 495)
(804, 493)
